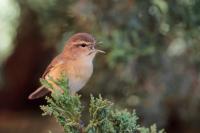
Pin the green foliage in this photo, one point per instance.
(104, 118)
(152, 129)
(64, 107)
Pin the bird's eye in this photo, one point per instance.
(83, 45)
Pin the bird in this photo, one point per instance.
(75, 61)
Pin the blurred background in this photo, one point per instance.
(152, 61)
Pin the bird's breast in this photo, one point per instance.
(78, 75)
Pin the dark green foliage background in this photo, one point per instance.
(152, 60)
(152, 47)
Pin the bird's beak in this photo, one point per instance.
(100, 51)
(96, 51)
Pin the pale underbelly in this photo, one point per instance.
(75, 84)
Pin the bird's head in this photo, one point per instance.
(82, 46)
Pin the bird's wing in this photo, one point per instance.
(54, 63)
(41, 91)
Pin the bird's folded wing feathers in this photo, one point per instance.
(42, 91)
(55, 62)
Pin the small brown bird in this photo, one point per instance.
(75, 61)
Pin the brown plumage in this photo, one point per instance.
(75, 61)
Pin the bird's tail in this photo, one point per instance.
(40, 92)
